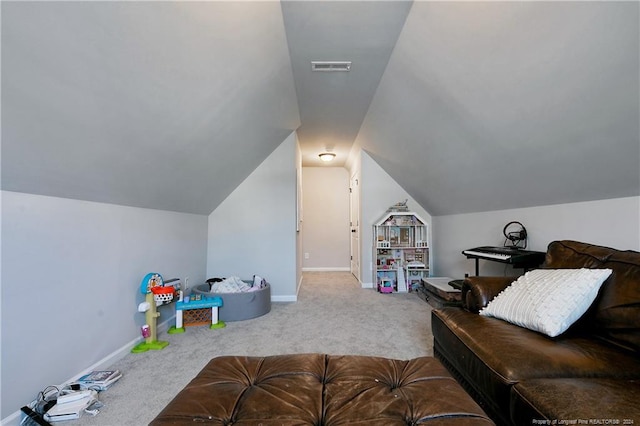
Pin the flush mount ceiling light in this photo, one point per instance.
(330, 65)
(327, 156)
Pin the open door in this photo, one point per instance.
(354, 217)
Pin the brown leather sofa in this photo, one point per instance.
(588, 375)
(318, 389)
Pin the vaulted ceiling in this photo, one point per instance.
(470, 106)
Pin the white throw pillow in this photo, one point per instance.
(548, 300)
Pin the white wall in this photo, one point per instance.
(378, 191)
(326, 236)
(71, 273)
(613, 223)
(253, 231)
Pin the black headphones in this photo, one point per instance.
(515, 237)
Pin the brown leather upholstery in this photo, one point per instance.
(477, 292)
(594, 401)
(615, 314)
(316, 389)
(491, 356)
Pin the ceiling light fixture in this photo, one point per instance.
(327, 156)
(330, 65)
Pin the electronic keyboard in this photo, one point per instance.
(498, 253)
(512, 255)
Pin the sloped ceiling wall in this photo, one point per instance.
(170, 105)
(497, 105)
(333, 104)
(165, 105)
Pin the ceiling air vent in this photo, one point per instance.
(330, 65)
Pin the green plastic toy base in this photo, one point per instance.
(144, 346)
(174, 330)
(219, 324)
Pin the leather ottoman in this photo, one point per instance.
(317, 389)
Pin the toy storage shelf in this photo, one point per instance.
(400, 252)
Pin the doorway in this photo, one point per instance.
(354, 219)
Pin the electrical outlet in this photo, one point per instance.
(306, 255)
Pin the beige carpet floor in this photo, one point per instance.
(333, 315)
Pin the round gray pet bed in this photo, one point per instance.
(240, 306)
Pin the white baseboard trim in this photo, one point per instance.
(289, 298)
(367, 285)
(15, 418)
(328, 269)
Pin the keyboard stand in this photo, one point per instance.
(477, 259)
